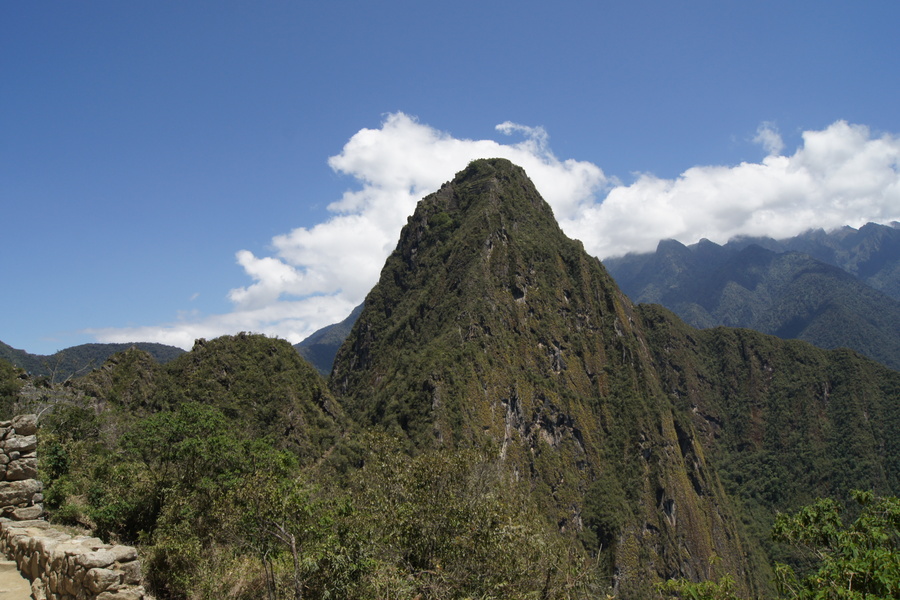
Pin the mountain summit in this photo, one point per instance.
(490, 328)
(662, 447)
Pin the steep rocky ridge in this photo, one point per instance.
(490, 328)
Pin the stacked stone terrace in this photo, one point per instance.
(20, 491)
(60, 565)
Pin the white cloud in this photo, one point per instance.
(317, 275)
(536, 137)
(290, 320)
(768, 137)
(840, 175)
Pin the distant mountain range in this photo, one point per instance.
(80, 360)
(318, 349)
(321, 347)
(837, 289)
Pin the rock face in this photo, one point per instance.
(490, 328)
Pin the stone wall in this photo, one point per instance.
(60, 565)
(20, 491)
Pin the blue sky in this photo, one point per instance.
(172, 170)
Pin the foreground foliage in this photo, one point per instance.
(230, 470)
(683, 589)
(859, 560)
(225, 517)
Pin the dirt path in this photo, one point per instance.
(12, 585)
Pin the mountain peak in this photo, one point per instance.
(478, 262)
(492, 172)
(490, 328)
(482, 247)
(491, 189)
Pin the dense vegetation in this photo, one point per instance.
(858, 560)
(500, 423)
(785, 422)
(234, 470)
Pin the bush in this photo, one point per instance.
(859, 560)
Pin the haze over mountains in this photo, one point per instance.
(655, 449)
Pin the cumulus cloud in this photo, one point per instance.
(842, 175)
(316, 275)
(397, 165)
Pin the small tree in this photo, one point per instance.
(856, 561)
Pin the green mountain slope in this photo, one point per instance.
(263, 384)
(682, 278)
(259, 384)
(785, 422)
(788, 294)
(192, 459)
(489, 328)
(662, 444)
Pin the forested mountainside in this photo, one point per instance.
(774, 290)
(782, 288)
(79, 360)
(501, 422)
(490, 328)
